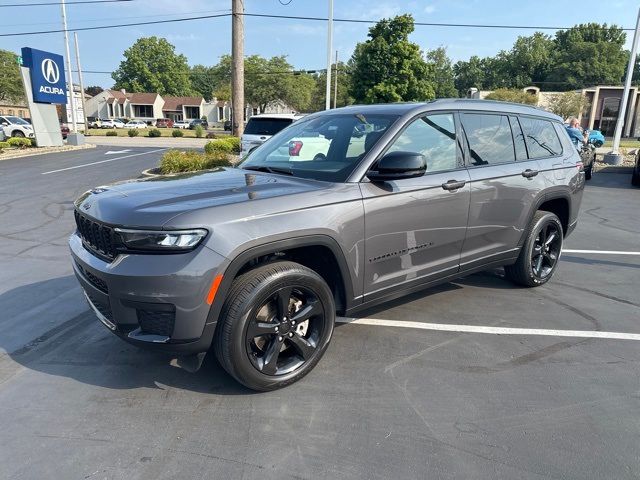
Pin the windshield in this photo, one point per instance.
(327, 147)
(17, 120)
(266, 126)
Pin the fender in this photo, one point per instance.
(563, 192)
(241, 259)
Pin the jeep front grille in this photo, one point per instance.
(96, 237)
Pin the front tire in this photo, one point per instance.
(540, 253)
(17, 134)
(275, 325)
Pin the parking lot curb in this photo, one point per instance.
(31, 152)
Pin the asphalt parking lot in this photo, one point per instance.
(386, 401)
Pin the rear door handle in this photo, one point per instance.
(528, 173)
(453, 185)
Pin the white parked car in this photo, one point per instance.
(262, 127)
(136, 124)
(181, 124)
(112, 123)
(16, 127)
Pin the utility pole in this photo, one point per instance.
(84, 110)
(72, 99)
(614, 156)
(335, 84)
(327, 105)
(237, 70)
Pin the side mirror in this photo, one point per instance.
(398, 165)
(4, 124)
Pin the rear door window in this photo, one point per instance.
(542, 139)
(518, 139)
(489, 137)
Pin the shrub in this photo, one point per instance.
(226, 145)
(133, 132)
(19, 142)
(111, 133)
(154, 132)
(4, 145)
(513, 95)
(211, 135)
(176, 161)
(34, 143)
(177, 133)
(199, 131)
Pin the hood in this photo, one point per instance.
(154, 201)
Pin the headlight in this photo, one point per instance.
(158, 240)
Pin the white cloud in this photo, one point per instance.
(179, 37)
(429, 9)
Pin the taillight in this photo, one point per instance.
(580, 166)
(294, 148)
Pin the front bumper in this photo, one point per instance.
(153, 301)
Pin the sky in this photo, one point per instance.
(303, 42)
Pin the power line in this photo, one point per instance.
(422, 24)
(42, 4)
(121, 25)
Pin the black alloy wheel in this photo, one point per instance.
(284, 332)
(540, 252)
(546, 250)
(275, 325)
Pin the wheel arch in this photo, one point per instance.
(321, 253)
(557, 202)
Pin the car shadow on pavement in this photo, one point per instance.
(83, 349)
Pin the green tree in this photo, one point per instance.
(568, 104)
(529, 60)
(152, 65)
(444, 83)
(93, 90)
(204, 80)
(344, 87)
(587, 55)
(513, 95)
(469, 74)
(11, 88)
(388, 67)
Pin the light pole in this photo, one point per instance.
(84, 110)
(614, 157)
(72, 99)
(327, 104)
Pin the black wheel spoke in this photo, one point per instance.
(311, 309)
(258, 329)
(302, 346)
(270, 358)
(283, 297)
(551, 238)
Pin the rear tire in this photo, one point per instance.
(275, 325)
(540, 253)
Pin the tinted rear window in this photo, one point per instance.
(489, 137)
(266, 126)
(542, 139)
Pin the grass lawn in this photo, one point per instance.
(166, 132)
(625, 143)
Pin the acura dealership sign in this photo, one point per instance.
(47, 75)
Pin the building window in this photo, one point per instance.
(140, 111)
(10, 112)
(1, 112)
(220, 113)
(192, 112)
(110, 107)
(255, 111)
(610, 107)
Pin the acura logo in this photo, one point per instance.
(50, 71)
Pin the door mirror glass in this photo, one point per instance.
(4, 124)
(399, 165)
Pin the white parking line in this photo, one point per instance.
(601, 252)
(102, 161)
(444, 327)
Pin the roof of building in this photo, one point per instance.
(142, 98)
(172, 104)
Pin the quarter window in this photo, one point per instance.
(434, 136)
(542, 139)
(489, 137)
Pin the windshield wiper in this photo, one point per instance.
(264, 168)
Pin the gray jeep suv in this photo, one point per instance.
(254, 262)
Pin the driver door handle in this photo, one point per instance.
(453, 185)
(528, 173)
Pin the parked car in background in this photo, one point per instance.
(262, 127)
(136, 124)
(16, 127)
(635, 176)
(112, 123)
(164, 123)
(596, 138)
(198, 121)
(95, 122)
(182, 124)
(64, 129)
(255, 262)
(227, 125)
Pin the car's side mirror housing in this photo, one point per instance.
(398, 165)
(4, 124)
